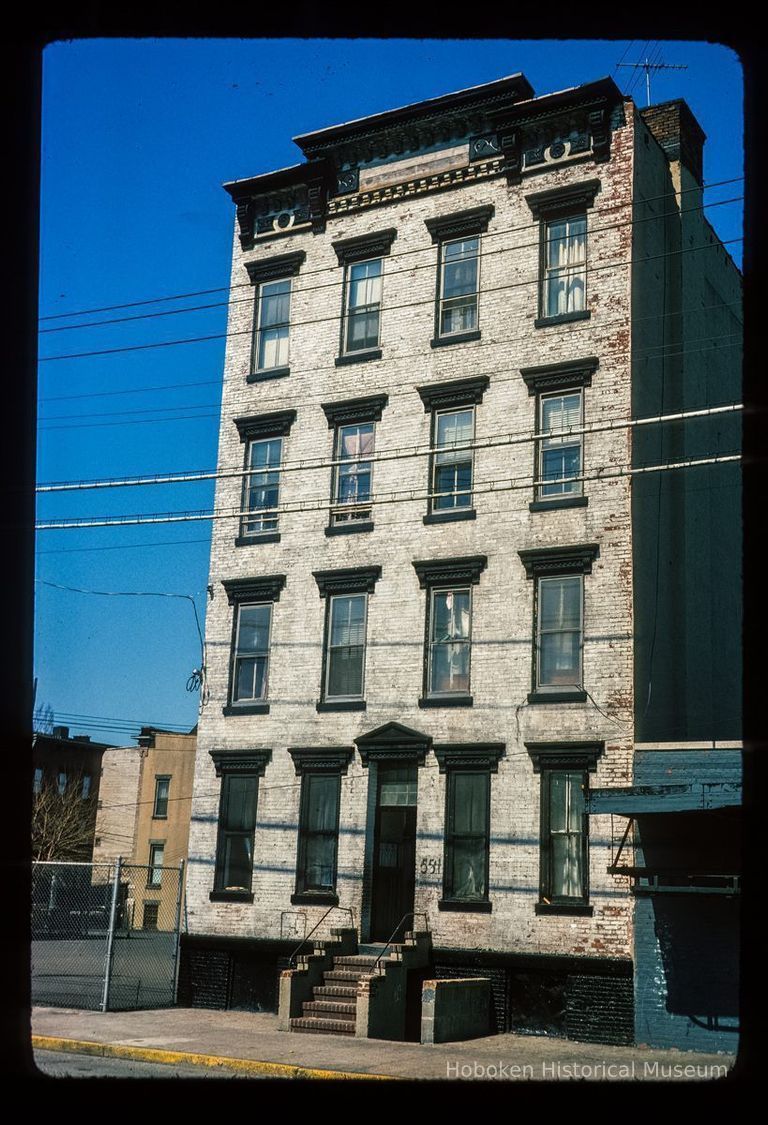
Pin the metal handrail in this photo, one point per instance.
(414, 914)
(346, 909)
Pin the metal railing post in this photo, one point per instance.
(111, 935)
(177, 944)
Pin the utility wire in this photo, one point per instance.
(572, 328)
(430, 301)
(396, 454)
(390, 273)
(397, 254)
(320, 504)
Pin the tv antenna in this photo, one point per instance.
(648, 66)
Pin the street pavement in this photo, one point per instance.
(250, 1045)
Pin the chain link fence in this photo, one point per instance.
(105, 936)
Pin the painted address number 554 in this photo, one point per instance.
(430, 866)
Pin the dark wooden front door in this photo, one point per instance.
(394, 865)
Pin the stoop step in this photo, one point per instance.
(323, 1026)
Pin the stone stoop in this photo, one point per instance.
(333, 1007)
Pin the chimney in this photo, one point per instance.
(679, 134)
(60, 732)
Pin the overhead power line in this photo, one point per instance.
(396, 454)
(389, 308)
(307, 273)
(572, 328)
(300, 290)
(319, 504)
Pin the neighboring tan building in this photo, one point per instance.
(143, 816)
(449, 603)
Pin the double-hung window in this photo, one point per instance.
(457, 237)
(321, 771)
(273, 279)
(363, 306)
(564, 825)
(162, 790)
(563, 250)
(448, 644)
(363, 260)
(263, 436)
(452, 407)
(253, 601)
(558, 390)
(558, 575)
(239, 771)
(156, 860)
(353, 423)
(346, 593)
(468, 769)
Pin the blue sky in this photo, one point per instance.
(138, 136)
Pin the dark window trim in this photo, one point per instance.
(321, 759)
(563, 318)
(450, 572)
(548, 561)
(556, 695)
(267, 373)
(256, 538)
(354, 410)
(560, 376)
(152, 866)
(266, 588)
(456, 393)
(359, 249)
(245, 709)
(466, 758)
(558, 502)
(314, 898)
(456, 338)
(550, 758)
(240, 761)
(571, 499)
(261, 426)
(352, 527)
(560, 202)
(450, 516)
(349, 580)
(437, 412)
(306, 769)
(459, 224)
(231, 896)
(456, 700)
(333, 704)
(357, 357)
(275, 268)
(367, 579)
(161, 777)
(229, 764)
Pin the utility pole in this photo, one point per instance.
(648, 66)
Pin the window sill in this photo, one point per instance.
(351, 528)
(575, 909)
(260, 537)
(158, 816)
(446, 701)
(565, 318)
(558, 502)
(450, 517)
(357, 357)
(246, 709)
(479, 906)
(153, 887)
(459, 338)
(271, 373)
(230, 896)
(576, 695)
(318, 898)
(341, 705)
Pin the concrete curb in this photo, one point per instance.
(251, 1067)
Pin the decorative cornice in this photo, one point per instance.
(375, 245)
(555, 376)
(443, 181)
(265, 425)
(240, 761)
(354, 580)
(564, 755)
(561, 201)
(368, 409)
(459, 392)
(473, 221)
(272, 269)
(469, 755)
(321, 759)
(393, 742)
(263, 589)
(433, 572)
(543, 561)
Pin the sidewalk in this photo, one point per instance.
(251, 1043)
